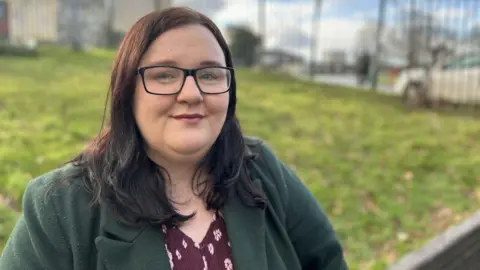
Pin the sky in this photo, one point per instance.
(289, 21)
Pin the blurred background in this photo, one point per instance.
(373, 102)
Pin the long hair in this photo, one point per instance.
(116, 167)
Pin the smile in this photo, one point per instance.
(189, 118)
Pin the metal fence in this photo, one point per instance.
(441, 37)
(437, 42)
(417, 29)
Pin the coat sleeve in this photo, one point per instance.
(37, 240)
(313, 236)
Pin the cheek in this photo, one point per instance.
(149, 110)
(217, 104)
(217, 107)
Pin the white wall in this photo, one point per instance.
(32, 19)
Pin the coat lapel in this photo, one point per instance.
(246, 231)
(120, 247)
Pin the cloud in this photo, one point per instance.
(339, 33)
(291, 37)
(442, 11)
(289, 25)
(278, 13)
(207, 7)
(289, 21)
(453, 13)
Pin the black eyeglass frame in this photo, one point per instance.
(186, 73)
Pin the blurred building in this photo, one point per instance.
(59, 21)
(281, 60)
(33, 19)
(335, 60)
(3, 20)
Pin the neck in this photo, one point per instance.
(179, 174)
(183, 189)
(182, 181)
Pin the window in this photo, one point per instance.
(470, 61)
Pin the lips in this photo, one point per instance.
(188, 116)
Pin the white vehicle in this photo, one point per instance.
(454, 81)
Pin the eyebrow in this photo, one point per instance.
(174, 63)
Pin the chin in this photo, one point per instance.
(188, 149)
(190, 146)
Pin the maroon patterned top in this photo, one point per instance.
(213, 253)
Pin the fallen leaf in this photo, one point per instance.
(402, 236)
(408, 175)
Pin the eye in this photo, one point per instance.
(212, 74)
(163, 74)
(208, 76)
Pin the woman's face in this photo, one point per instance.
(182, 126)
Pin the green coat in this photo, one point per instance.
(61, 231)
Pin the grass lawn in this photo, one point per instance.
(389, 179)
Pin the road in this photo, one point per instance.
(348, 80)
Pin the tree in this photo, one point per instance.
(419, 36)
(244, 45)
(365, 38)
(161, 4)
(412, 37)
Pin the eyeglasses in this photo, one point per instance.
(169, 80)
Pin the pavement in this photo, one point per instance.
(349, 80)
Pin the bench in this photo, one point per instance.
(458, 248)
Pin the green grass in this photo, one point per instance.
(389, 179)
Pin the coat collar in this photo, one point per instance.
(121, 247)
(246, 231)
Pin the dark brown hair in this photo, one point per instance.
(117, 168)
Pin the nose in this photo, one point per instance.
(190, 92)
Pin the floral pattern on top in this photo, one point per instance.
(213, 253)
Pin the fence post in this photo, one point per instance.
(75, 28)
(262, 20)
(378, 46)
(314, 36)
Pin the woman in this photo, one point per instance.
(172, 183)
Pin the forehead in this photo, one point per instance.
(185, 46)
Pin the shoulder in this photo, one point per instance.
(58, 185)
(56, 223)
(265, 160)
(57, 195)
(301, 214)
(274, 175)
(279, 181)
(288, 196)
